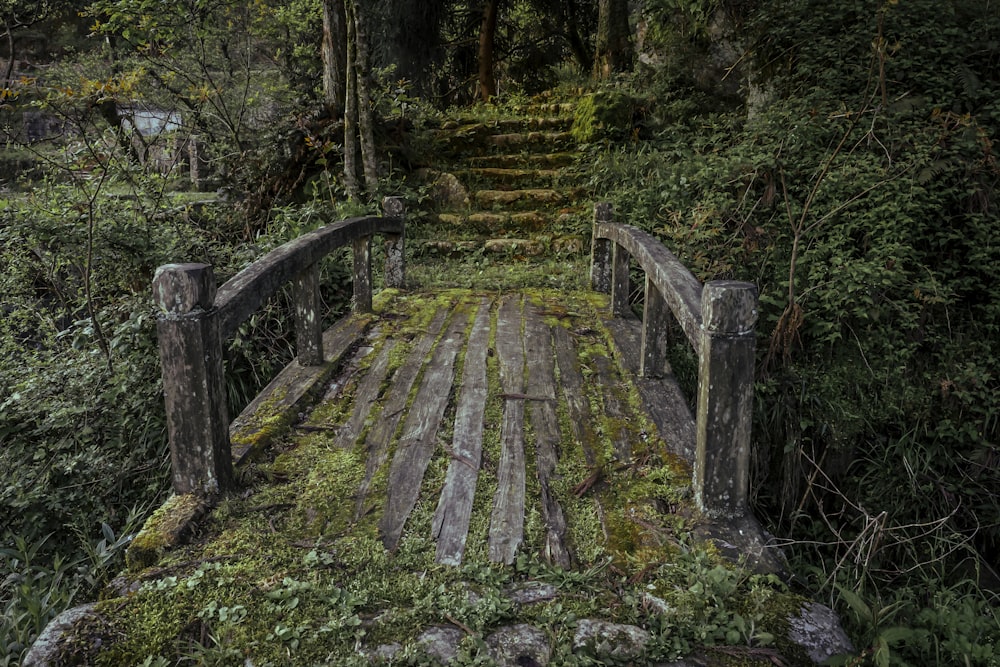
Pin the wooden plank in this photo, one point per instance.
(507, 520)
(662, 397)
(545, 425)
(451, 519)
(616, 416)
(577, 402)
(365, 397)
(416, 444)
(384, 427)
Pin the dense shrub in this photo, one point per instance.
(862, 199)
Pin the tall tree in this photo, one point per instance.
(487, 38)
(334, 53)
(614, 39)
(359, 119)
(366, 111)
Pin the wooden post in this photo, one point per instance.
(725, 398)
(621, 284)
(395, 265)
(600, 251)
(194, 389)
(308, 320)
(653, 361)
(362, 301)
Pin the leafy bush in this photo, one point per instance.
(861, 199)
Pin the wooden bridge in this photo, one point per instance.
(429, 430)
(541, 361)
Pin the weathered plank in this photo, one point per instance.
(384, 427)
(507, 520)
(416, 444)
(662, 397)
(616, 416)
(365, 396)
(577, 402)
(451, 519)
(545, 425)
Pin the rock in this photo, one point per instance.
(612, 640)
(519, 645)
(448, 192)
(531, 592)
(45, 651)
(817, 629)
(440, 643)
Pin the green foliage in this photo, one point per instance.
(861, 199)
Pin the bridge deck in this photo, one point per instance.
(460, 432)
(497, 424)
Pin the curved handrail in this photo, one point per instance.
(240, 296)
(680, 289)
(718, 319)
(197, 317)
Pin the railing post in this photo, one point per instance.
(395, 266)
(653, 361)
(194, 388)
(308, 321)
(600, 251)
(362, 301)
(621, 281)
(725, 398)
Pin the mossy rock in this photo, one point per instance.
(165, 529)
(603, 115)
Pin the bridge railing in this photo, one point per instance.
(197, 318)
(718, 319)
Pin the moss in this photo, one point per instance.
(603, 115)
(164, 529)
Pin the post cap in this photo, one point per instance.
(394, 207)
(729, 307)
(182, 288)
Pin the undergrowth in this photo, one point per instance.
(861, 198)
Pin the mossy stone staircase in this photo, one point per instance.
(505, 187)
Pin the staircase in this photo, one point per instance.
(504, 194)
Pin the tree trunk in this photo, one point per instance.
(487, 36)
(571, 22)
(366, 115)
(8, 75)
(351, 115)
(334, 56)
(614, 39)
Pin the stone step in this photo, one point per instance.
(502, 178)
(479, 140)
(523, 160)
(518, 222)
(513, 246)
(476, 125)
(525, 199)
(538, 108)
(532, 139)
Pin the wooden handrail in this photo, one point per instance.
(197, 318)
(718, 319)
